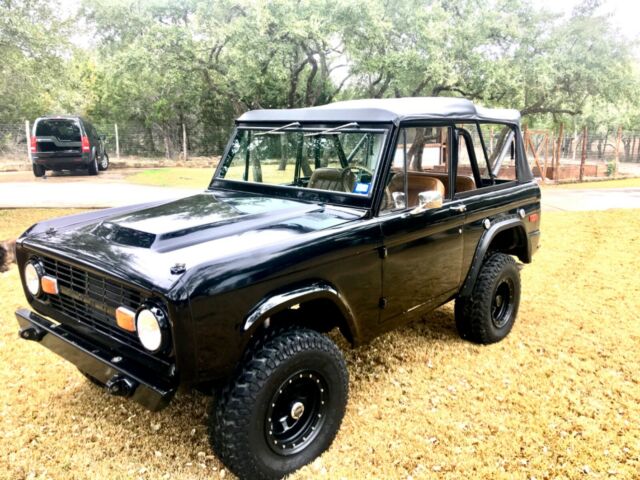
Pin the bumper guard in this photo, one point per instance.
(119, 375)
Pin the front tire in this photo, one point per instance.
(489, 314)
(284, 407)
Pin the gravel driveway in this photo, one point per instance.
(22, 189)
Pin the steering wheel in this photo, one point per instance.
(348, 171)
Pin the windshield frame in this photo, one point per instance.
(301, 193)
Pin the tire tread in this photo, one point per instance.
(471, 316)
(231, 410)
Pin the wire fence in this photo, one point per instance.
(135, 140)
(554, 155)
(568, 157)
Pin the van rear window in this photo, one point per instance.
(64, 130)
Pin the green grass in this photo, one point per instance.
(173, 177)
(200, 177)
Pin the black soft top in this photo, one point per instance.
(394, 110)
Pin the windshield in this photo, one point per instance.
(340, 159)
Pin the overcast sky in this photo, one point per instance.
(625, 13)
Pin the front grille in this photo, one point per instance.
(92, 300)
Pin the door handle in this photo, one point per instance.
(459, 208)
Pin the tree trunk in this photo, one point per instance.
(600, 150)
(627, 148)
(167, 144)
(302, 158)
(416, 150)
(283, 153)
(257, 169)
(150, 140)
(603, 149)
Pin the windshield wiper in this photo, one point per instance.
(333, 130)
(278, 130)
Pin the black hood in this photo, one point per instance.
(144, 243)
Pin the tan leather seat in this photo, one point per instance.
(418, 182)
(331, 179)
(463, 183)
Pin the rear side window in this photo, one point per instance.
(64, 130)
(493, 146)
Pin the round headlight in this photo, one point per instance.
(32, 279)
(149, 323)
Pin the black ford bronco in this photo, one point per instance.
(357, 216)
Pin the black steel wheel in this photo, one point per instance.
(488, 315)
(502, 303)
(283, 408)
(297, 412)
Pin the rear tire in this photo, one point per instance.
(283, 408)
(104, 163)
(93, 166)
(488, 315)
(38, 170)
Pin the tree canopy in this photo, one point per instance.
(165, 63)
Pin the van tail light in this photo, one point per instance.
(85, 144)
(534, 217)
(34, 144)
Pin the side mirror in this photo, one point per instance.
(427, 200)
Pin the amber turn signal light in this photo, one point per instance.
(126, 319)
(49, 285)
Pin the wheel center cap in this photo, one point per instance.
(297, 409)
(499, 301)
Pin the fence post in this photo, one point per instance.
(618, 140)
(117, 142)
(546, 155)
(583, 158)
(184, 141)
(27, 131)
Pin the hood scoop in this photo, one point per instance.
(124, 236)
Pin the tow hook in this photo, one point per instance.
(121, 386)
(32, 333)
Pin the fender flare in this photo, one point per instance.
(483, 246)
(281, 301)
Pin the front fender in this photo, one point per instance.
(281, 301)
